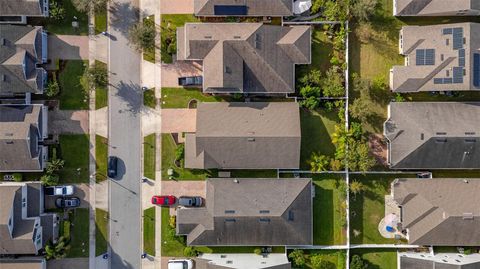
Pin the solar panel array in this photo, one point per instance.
(425, 57)
(461, 57)
(457, 35)
(457, 74)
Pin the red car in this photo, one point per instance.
(164, 200)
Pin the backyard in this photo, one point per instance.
(322, 49)
(74, 151)
(64, 27)
(101, 231)
(73, 95)
(168, 161)
(169, 25)
(101, 156)
(317, 129)
(335, 259)
(149, 145)
(377, 258)
(180, 97)
(149, 231)
(329, 210)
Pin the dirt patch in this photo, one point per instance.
(378, 148)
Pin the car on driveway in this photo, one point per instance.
(180, 264)
(112, 166)
(190, 201)
(67, 202)
(164, 200)
(190, 81)
(59, 190)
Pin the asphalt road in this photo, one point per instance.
(124, 132)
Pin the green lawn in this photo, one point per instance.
(322, 49)
(377, 258)
(179, 97)
(64, 27)
(317, 129)
(168, 161)
(169, 25)
(101, 92)
(101, 231)
(149, 54)
(368, 208)
(329, 210)
(101, 20)
(149, 98)
(254, 173)
(101, 156)
(149, 145)
(79, 233)
(149, 230)
(336, 258)
(72, 91)
(74, 150)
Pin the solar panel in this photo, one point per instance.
(438, 81)
(476, 70)
(429, 57)
(457, 38)
(461, 53)
(229, 10)
(420, 60)
(447, 31)
(447, 81)
(457, 74)
(461, 57)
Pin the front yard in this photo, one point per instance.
(169, 25)
(79, 221)
(74, 150)
(64, 27)
(180, 97)
(329, 210)
(335, 259)
(149, 146)
(73, 94)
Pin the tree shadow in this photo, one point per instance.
(123, 16)
(131, 93)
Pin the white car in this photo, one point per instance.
(59, 190)
(180, 264)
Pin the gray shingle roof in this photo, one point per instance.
(245, 57)
(20, 45)
(420, 260)
(451, 52)
(20, 131)
(245, 136)
(21, 7)
(436, 8)
(254, 7)
(433, 135)
(250, 212)
(441, 212)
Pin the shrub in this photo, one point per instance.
(298, 258)
(319, 263)
(180, 152)
(52, 89)
(172, 222)
(56, 12)
(357, 263)
(189, 252)
(49, 179)
(257, 251)
(17, 177)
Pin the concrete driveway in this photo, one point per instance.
(81, 191)
(178, 120)
(68, 263)
(176, 7)
(68, 47)
(171, 72)
(68, 122)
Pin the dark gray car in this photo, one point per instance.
(69, 202)
(190, 201)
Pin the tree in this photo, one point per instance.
(49, 179)
(52, 88)
(58, 250)
(335, 165)
(359, 158)
(55, 165)
(318, 262)
(332, 85)
(362, 107)
(189, 252)
(363, 9)
(311, 94)
(357, 263)
(99, 75)
(257, 251)
(180, 152)
(298, 258)
(142, 35)
(356, 187)
(313, 78)
(85, 5)
(319, 162)
(56, 12)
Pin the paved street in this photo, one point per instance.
(125, 100)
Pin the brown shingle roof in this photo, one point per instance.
(436, 8)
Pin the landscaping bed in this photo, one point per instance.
(332, 259)
(73, 88)
(149, 53)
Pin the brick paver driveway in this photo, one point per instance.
(68, 47)
(178, 120)
(81, 191)
(171, 72)
(176, 6)
(184, 187)
(68, 122)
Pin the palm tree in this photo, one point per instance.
(356, 187)
(319, 162)
(56, 251)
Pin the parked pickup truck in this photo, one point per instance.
(59, 190)
(190, 81)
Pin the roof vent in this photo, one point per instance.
(229, 262)
(264, 211)
(290, 215)
(441, 140)
(457, 260)
(465, 181)
(264, 220)
(469, 133)
(3, 41)
(9, 142)
(8, 134)
(467, 216)
(441, 133)
(208, 37)
(237, 37)
(236, 181)
(229, 211)
(4, 77)
(251, 139)
(223, 256)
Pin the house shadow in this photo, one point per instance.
(60, 49)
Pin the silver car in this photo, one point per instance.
(190, 201)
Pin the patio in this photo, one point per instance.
(388, 225)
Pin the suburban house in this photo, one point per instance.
(23, 49)
(23, 263)
(253, 135)
(24, 226)
(209, 8)
(240, 261)
(422, 260)
(250, 212)
(17, 11)
(436, 8)
(443, 57)
(23, 129)
(249, 58)
(433, 135)
(439, 212)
